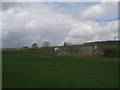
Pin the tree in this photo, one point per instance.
(46, 44)
(65, 44)
(112, 51)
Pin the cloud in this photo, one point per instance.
(92, 31)
(61, 1)
(93, 12)
(103, 10)
(0, 29)
(24, 23)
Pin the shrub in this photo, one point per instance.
(112, 51)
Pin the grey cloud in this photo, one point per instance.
(103, 10)
(22, 26)
(24, 23)
(93, 31)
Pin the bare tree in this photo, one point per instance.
(46, 44)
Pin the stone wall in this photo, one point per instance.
(86, 50)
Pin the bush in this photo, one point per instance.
(111, 51)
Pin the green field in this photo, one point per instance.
(42, 70)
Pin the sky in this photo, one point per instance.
(73, 22)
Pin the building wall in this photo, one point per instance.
(95, 48)
(86, 50)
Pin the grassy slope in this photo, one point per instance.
(34, 70)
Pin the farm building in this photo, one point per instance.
(88, 49)
(96, 48)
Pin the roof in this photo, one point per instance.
(103, 42)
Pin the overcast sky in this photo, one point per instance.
(74, 22)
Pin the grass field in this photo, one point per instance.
(41, 70)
